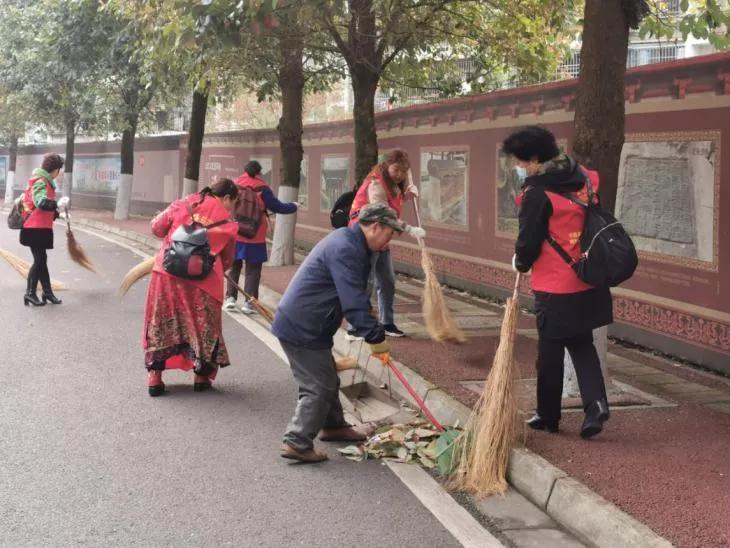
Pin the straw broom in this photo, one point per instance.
(135, 274)
(440, 324)
(22, 267)
(492, 429)
(75, 250)
(260, 308)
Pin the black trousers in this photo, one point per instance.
(550, 354)
(252, 280)
(39, 271)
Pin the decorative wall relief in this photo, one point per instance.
(444, 187)
(667, 196)
(334, 180)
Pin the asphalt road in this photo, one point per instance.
(87, 457)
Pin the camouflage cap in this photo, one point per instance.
(382, 214)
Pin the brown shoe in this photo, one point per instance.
(288, 452)
(344, 433)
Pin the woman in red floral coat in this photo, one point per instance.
(183, 323)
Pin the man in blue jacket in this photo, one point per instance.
(329, 285)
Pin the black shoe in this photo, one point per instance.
(538, 423)
(156, 390)
(51, 298)
(596, 414)
(32, 298)
(392, 331)
(202, 386)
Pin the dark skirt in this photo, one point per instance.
(37, 237)
(565, 315)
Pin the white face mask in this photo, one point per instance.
(521, 173)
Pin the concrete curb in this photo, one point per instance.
(593, 519)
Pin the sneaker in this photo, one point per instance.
(248, 308)
(229, 303)
(353, 336)
(392, 331)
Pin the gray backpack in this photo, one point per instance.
(15, 217)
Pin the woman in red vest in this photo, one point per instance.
(567, 308)
(253, 250)
(40, 210)
(183, 326)
(387, 183)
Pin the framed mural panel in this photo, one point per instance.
(668, 196)
(507, 187)
(267, 163)
(97, 174)
(444, 186)
(334, 179)
(304, 183)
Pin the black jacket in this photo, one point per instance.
(562, 175)
(559, 316)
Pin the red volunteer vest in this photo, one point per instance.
(37, 218)
(246, 181)
(361, 197)
(550, 273)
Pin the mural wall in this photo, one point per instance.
(669, 190)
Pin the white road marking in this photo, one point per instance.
(457, 521)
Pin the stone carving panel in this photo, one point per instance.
(666, 197)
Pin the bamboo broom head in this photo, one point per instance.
(135, 274)
(492, 429)
(343, 363)
(440, 324)
(22, 267)
(76, 252)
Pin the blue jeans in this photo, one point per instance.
(382, 276)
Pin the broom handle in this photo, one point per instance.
(261, 308)
(415, 396)
(418, 213)
(516, 292)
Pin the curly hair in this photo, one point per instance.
(531, 143)
(52, 162)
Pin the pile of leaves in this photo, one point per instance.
(415, 443)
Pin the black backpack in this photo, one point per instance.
(340, 214)
(188, 255)
(608, 256)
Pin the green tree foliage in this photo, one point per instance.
(424, 39)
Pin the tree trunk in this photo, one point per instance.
(291, 85)
(599, 102)
(12, 164)
(124, 194)
(599, 124)
(364, 86)
(195, 139)
(68, 167)
(365, 64)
